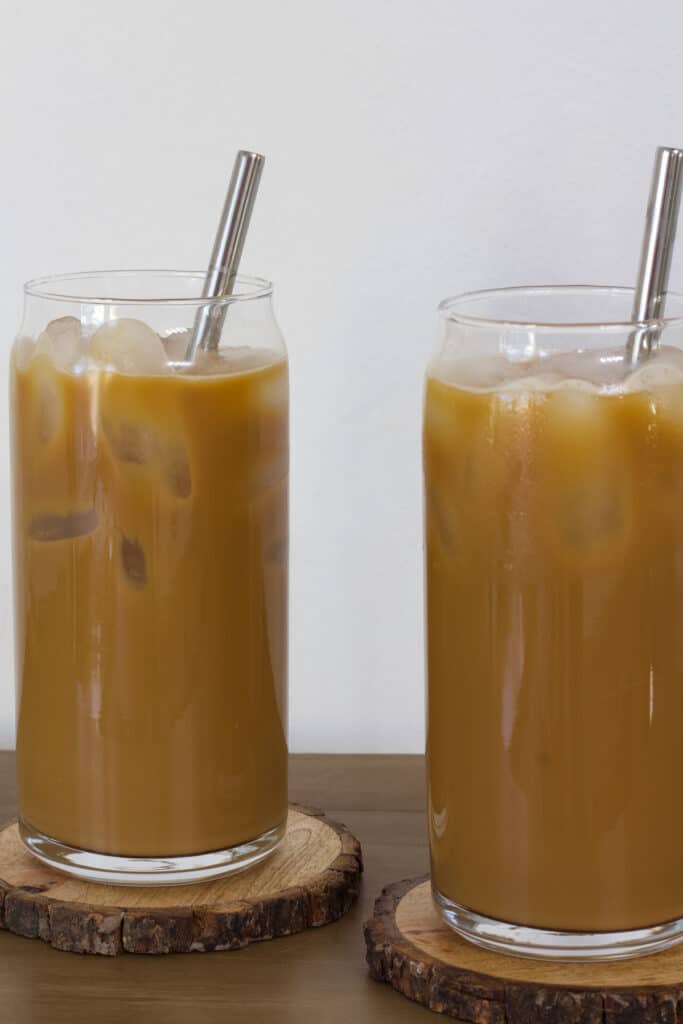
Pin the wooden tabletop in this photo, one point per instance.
(319, 976)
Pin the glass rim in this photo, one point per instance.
(448, 310)
(47, 287)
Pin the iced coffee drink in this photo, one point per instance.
(150, 539)
(554, 549)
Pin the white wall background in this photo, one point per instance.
(415, 148)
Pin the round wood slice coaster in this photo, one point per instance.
(410, 948)
(312, 879)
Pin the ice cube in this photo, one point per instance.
(60, 359)
(649, 377)
(204, 364)
(274, 388)
(67, 347)
(130, 440)
(238, 358)
(540, 382)
(177, 470)
(588, 475)
(129, 346)
(441, 414)
(63, 326)
(45, 346)
(594, 515)
(133, 561)
(23, 352)
(483, 374)
(575, 409)
(175, 344)
(60, 342)
(659, 383)
(66, 527)
(663, 370)
(597, 368)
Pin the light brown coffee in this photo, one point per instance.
(554, 530)
(150, 535)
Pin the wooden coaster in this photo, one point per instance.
(411, 948)
(310, 880)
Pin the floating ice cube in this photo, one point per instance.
(586, 461)
(274, 388)
(129, 346)
(441, 414)
(175, 344)
(597, 368)
(23, 352)
(63, 354)
(663, 370)
(539, 382)
(660, 386)
(130, 440)
(74, 524)
(486, 373)
(133, 561)
(206, 364)
(177, 470)
(238, 358)
(64, 326)
(593, 515)
(576, 405)
(66, 347)
(649, 377)
(44, 346)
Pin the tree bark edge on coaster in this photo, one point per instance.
(431, 965)
(39, 903)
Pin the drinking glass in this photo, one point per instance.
(150, 518)
(554, 569)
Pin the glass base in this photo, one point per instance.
(545, 944)
(111, 870)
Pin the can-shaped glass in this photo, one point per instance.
(553, 473)
(150, 520)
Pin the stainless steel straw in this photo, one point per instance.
(655, 259)
(227, 250)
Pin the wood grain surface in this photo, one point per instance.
(412, 949)
(317, 977)
(310, 880)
